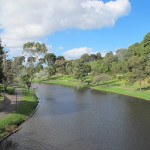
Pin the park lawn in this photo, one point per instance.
(143, 95)
(26, 107)
(66, 83)
(122, 83)
(65, 78)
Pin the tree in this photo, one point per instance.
(60, 58)
(95, 67)
(81, 71)
(50, 58)
(120, 53)
(34, 49)
(26, 79)
(19, 60)
(108, 60)
(137, 70)
(31, 63)
(1, 61)
(9, 73)
(94, 57)
(101, 78)
(85, 58)
(51, 70)
(61, 66)
(39, 67)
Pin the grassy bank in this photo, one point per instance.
(110, 87)
(26, 107)
(130, 92)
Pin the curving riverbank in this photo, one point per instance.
(145, 95)
(11, 122)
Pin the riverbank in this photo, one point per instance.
(11, 122)
(145, 95)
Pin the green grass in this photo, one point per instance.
(143, 95)
(65, 78)
(66, 83)
(123, 84)
(26, 107)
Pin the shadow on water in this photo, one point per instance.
(12, 145)
(9, 145)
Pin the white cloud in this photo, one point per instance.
(77, 52)
(28, 20)
(60, 48)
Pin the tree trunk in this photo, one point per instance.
(140, 86)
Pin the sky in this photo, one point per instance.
(73, 27)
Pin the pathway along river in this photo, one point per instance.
(73, 118)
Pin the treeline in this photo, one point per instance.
(131, 64)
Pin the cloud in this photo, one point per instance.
(77, 52)
(28, 20)
(60, 48)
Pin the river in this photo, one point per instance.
(74, 118)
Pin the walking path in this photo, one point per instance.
(10, 103)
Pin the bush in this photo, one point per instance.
(101, 78)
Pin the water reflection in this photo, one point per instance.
(8, 144)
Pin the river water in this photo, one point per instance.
(73, 118)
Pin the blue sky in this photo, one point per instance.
(73, 40)
(127, 30)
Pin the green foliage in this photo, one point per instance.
(81, 70)
(26, 79)
(60, 58)
(101, 78)
(34, 49)
(1, 61)
(137, 69)
(61, 66)
(51, 70)
(50, 58)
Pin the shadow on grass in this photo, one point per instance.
(146, 88)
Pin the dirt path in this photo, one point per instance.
(11, 102)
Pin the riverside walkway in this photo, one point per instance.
(10, 103)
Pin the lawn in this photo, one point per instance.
(26, 107)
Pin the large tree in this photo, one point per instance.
(1, 61)
(81, 71)
(50, 58)
(34, 52)
(34, 49)
(137, 69)
(9, 73)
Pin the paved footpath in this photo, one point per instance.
(10, 103)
